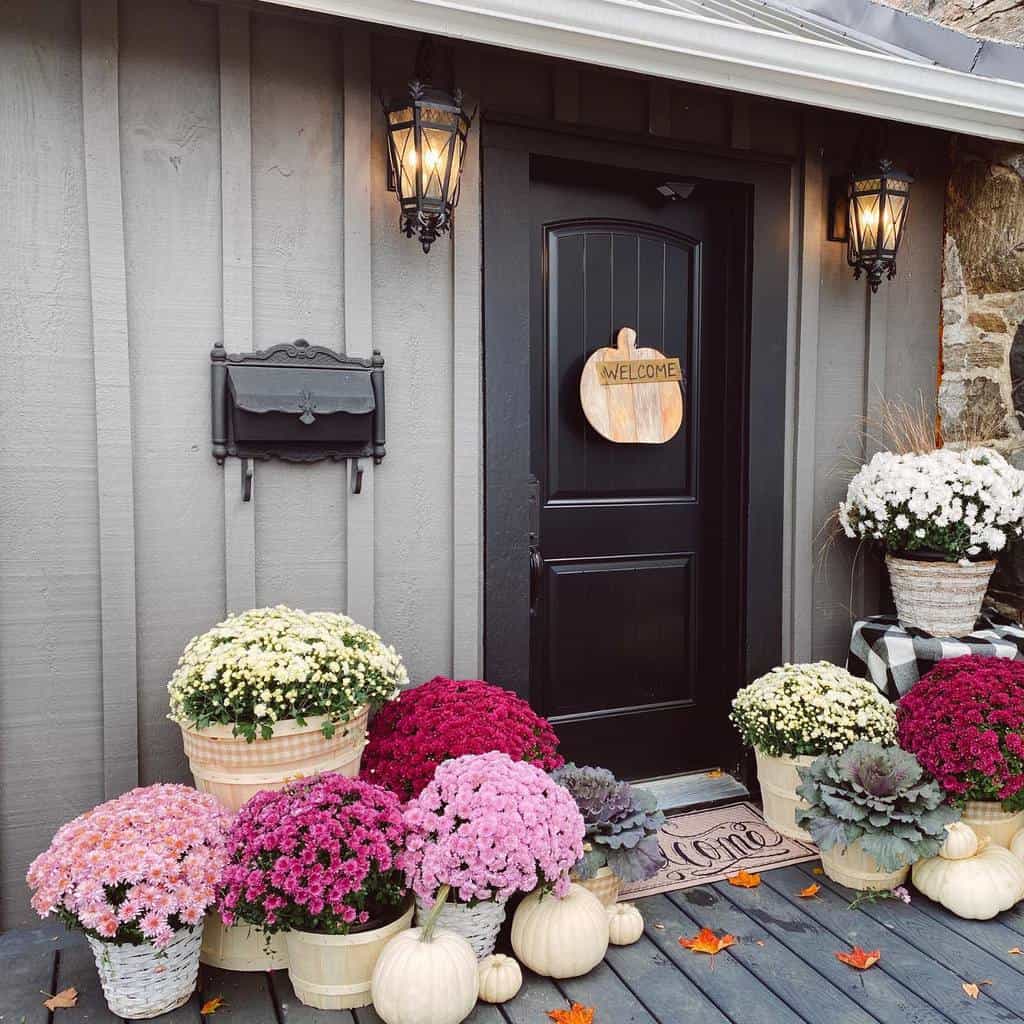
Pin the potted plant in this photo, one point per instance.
(964, 720)
(137, 875)
(942, 518)
(276, 693)
(794, 714)
(317, 861)
(873, 812)
(622, 822)
(484, 828)
(447, 718)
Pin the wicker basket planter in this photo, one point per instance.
(605, 885)
(988, 819)
(478, 925)
(233, 770)
(778, 778)
(333, 972)
(858, 870)
(241, 947)
(141, 981)
(942, 598)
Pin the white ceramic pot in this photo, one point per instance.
(605, 885)
(858, 870)
(241, 947)
(478, 925)
(233, 770)
(333, 972)
(988, 819)
(942, 598)
(779, 778)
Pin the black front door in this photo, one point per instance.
(635, 550)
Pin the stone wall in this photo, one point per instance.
(992, 19)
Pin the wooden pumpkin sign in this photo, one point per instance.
(632, 395)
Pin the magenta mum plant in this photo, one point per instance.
(964, 721)
(486, 827)
(135, 869)
(320, 856)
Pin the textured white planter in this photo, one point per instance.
(233, 770)
(478, 925)
(140, 982)
(942, 598)
(778, 778)
(988, 818)
(605, 885)
(858, 870)
(333, 972)
(241, 947)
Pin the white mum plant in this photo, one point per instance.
(812, 709)
(271, 664)
(962, 505)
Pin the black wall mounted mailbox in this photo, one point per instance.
(297, 402)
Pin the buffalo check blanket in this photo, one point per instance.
(894, 657)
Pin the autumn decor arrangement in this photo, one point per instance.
(137, 875)
(276, 693)
(447, 718)
(319, 861)
(622, 822)
(873, 812)
(964, 721)
(561, 936)
(796, 713)
(942, 517)
(486, 827)
(501, 978)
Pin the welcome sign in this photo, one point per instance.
(639, 371)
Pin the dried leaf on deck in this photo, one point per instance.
(211, 1006)
(744, 880)
(859, 958)
(971, 989)
(810, 890)
(706, 941)
(63, 1000)
(576, 1014)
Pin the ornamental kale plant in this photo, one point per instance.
(446, 718)
(879, 795)
(622, 824)
(964, 720)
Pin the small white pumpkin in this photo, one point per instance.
(625, 924)
(975, 886)
(1017, 845)
(417, 982)
(500, 978)
(561, 938)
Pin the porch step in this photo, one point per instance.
(695, 789)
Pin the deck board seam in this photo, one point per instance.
(636, 995)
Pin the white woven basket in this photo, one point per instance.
(479, 925)
(140, 982)
(942, 598)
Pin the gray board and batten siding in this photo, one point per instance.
(176, 172)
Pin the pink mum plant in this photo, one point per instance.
(135, 869)
(486, 827)
(318, 856)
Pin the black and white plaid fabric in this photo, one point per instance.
(894, 657)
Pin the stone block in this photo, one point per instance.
(993, 323)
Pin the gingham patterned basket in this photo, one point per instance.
(140, 982)
(478, 925)
(605, 885)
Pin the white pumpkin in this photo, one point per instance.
(975, 885)
(1017, 845)
(417, 982)
(500, 978)
(561, 938)
(625, 924)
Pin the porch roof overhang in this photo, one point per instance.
(661, 39)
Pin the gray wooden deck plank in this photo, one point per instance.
(27, 979)
(603, 989)
(723, 979)
(668, 993)
(773, 966)
(295, 1012)
(535, 998)
(77, 969)
(483, 1013)
(246, 994)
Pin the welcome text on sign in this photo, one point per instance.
(639, 371)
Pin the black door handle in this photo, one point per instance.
(536, 569)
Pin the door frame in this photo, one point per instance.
(505, 154)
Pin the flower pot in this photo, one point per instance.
(142, 981)
(988, 819)
(478, 925)
(858, 870)
(778, 778)
(605, 885)
(233, 770)
(942, 598)
(333, 972)
(241, 947)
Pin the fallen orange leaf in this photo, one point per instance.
(811, 890)
(744, 880)
(211, 1006)
(1016, 951)
(706, 941)
(576, 1014)
(63, 1000)
(819, 870)
(971, 989)
(859, 958)
(715, 773)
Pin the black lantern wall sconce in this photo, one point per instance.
(427, 133)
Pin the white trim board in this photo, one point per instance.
(635, 36)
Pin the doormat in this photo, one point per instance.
(707, 846)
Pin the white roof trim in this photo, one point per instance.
(636, 36)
